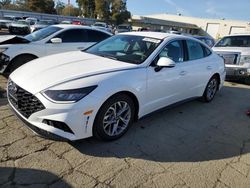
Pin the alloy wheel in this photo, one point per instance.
(117, 118)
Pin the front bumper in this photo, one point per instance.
(237, 72)
(37, 130)
(72, 115)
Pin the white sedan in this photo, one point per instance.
(16, 51)
(101, 91)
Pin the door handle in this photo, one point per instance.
(209, 67)
(183, 73)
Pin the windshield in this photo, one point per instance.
(43, 23)
(99, 25)
(42, 33)
(126, 48)
(22, 22)
(123, 27)
(234, 41)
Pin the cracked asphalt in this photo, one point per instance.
(191, 145)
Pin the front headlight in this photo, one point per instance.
(68, 96)
(244, 59)
(3, 50)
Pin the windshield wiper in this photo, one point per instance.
(108, 56)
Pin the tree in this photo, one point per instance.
(43, 6)
(59, 7)
(102, 9)
(87, 7)
(69, 10)
(4, 3)
(120, 14)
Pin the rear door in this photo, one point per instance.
(199, 67)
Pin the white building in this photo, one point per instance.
(216, 28)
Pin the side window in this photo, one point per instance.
(195, 50)
(206, 51)
(96, 36)
(174, 51)
(73, 35)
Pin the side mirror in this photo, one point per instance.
(164, 62)
(56, 40)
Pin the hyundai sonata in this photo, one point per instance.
(102, 90)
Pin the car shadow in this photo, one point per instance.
(3, 97)
(22, 177)
(190, 132)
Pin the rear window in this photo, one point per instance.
(234, 41)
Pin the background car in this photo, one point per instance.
(101, 91)
(123, 28)
(7, 20)
(41, 24)
(102, 26)
(20, 27)
(207, 40)
(235, 49)
(31, 21)
(16, 51)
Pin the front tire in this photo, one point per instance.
(247, 80)
(114, 118)
(211, 89)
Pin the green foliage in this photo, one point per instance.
(69, 10)
(59, 7)
(103, 9)
(44, 6)
(4, 3)
(88, 7)
(107, 10)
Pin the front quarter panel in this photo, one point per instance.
(132, 80)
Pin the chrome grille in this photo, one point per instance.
(23, 101)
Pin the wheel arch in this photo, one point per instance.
(217, 75)
(19, 55)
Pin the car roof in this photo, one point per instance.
(240, 34)
(150, 34)
(71, 26)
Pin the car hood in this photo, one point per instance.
(40, 26)
(12, 39)
(49, 71)
(5, 21)
(241, 50)
(18, 25)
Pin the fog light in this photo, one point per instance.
(241, 72)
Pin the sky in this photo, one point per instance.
(228, 9)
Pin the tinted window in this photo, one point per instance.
(96, 36)
(42, 33)
(73, 35)
(234, 41)
(174, 51)
(195, 50)
(206, 51)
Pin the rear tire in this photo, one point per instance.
(211, 89)
(247, 80)
(114, 118)
(19, 61)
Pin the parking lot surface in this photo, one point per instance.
(191, 145)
